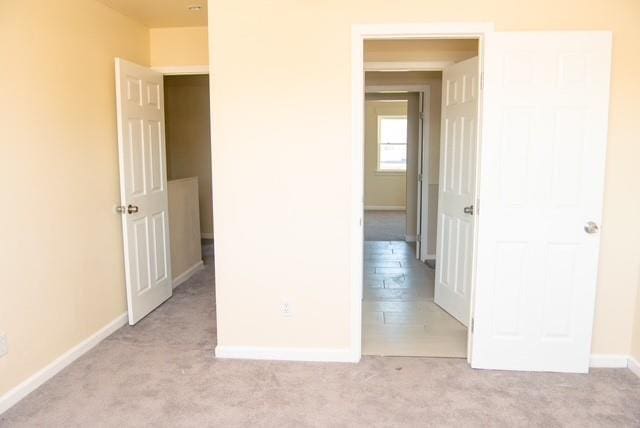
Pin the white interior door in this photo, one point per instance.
(143, 187)
(457, 189)
(543, 154)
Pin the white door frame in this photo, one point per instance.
(425, 108)
(182, 70)
(360, 33)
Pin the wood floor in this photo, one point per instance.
(399, 315)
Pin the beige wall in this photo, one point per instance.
(61, 251)
(178, 46)
(305, 55)
(184, 216)
(381, 189)
(419, 50)
(188, 136)
(635, 345)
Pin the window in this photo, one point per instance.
(392, 143)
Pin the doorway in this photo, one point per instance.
(164, 149)
(540, 173)
(407, 306)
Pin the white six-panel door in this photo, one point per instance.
(143, 187)
(543, 155)
(457, 189)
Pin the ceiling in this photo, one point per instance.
(162, 13)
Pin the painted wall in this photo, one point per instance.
(178, 46)
(419, 50)
(381, 189)
(188, 136)
(635, 346)
(61, 251)
(184, 216)
(305, 55)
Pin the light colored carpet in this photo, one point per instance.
(384, 225)
(162, 373)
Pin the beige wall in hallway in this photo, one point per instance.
(419, 50)
(61, 245)
(178, 46)
(381, 189)
(188, 136)
(315, 147)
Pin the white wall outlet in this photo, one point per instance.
(4, 345)
(286, 309)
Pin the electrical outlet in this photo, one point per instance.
(286, 309)
(4, 346)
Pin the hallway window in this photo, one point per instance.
(392, 143)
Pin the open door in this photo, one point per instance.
(143, 187)
(543, 155)
(456, 225)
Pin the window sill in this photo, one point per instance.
(386, 172)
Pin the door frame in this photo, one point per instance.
(424, 107)
(360, 33)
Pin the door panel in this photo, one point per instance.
(543, 155)
(454, 251)
(142, 155)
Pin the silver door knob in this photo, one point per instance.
(591, 227)
(131, 209)
(468, 210)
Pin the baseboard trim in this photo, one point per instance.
(188, 273)
(206, 235)
(634, 366)
(610, 361)
(384, 208)
(287, 354)
(430, 257)
(32, 383)
(410, 238)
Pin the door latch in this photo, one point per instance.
(129, 209)
(468, 210)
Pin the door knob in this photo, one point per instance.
(468, 210)
(132, 209)
(591, 227)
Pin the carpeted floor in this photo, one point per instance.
(384, 225)
(162, 373)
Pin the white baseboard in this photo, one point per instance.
(206, 235)
(33, 382)
(384, 208)
(410, 238)
(634, 366)
(187, 273)
(287, 354)
(610, 361)
(430, 257)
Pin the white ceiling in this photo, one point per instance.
(162, 13)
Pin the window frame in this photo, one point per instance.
(380, 118)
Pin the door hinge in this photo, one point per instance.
(473, 324)
(418, 237)
(421, 115)
(478, 206)
(420, 177)
(481, 80)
